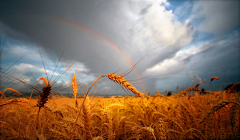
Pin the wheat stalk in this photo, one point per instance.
(43, 98)
(2, 94)
(87, 120)
(116, 78)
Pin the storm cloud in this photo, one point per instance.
(104, 36)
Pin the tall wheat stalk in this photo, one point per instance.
(116, 78)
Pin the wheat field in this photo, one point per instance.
(188, 114)
(197, 116)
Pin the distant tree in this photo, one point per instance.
(169, 93)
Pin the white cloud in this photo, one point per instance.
(157, 28)
(77, 67)
(163, 67)
(176, 64)
(29, 68)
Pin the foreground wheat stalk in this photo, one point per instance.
(116, 78)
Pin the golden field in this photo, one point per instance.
(192, 116)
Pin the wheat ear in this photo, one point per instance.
(213, 78)
(197, 85)
(121, 81)
(187, 90)
(111, 106)
(11, 90)
(75, 88)
(12, 101)
(43, 98)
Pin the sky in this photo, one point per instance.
(174, 43)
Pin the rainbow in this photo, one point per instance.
(103, 38)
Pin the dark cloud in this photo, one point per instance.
(218, 16)
(136, 27)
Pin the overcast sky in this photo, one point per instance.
(185, 41)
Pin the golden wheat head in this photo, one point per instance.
(10, 89)
(44, 94)
(75, 88)
(121, 81)
(44, 80)
(214, 78)
(111, 106)
(187, 90)
(74, 85)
